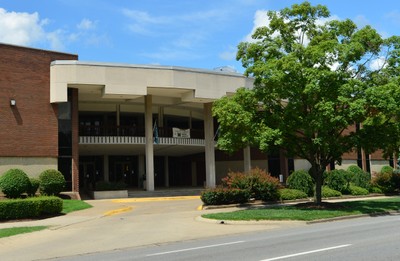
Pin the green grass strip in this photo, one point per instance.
(71, 205)
(7, 232)
(305, 214)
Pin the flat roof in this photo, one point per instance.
(147, 66)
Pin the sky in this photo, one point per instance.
(189, 33)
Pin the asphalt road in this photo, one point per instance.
(367, 238)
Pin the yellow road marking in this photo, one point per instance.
(117, 211)
(128, 200)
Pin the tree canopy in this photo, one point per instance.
(314, 78)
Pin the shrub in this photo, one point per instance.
(52, 182)
(33, 187)
(396, 179)
(388, 180)
(14, 182)
(359, 178)
(327, 192)
(375, 189)
(301, 180)
(338, 179)
(258, 182)
(357, 191)
(29, 207)
(383, 180)
(291, 194)
(221, 196)
(387, 169)
(105, 185)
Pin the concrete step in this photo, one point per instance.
(165, 193)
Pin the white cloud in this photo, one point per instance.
(378, 63)
(55, 40)
(260, 19)
(86, 24)
(20, 28)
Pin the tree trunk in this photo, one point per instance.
(318, 187)
(317, 173)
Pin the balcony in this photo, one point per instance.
(135, 135)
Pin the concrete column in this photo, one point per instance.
(166, 171)
(106, 168)
(209, 146)
(149, 143)
(247, 159)
(118, 112)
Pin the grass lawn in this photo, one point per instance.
(70, 205)
(7, 232)
(306, 213)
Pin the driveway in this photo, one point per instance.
(118, 224)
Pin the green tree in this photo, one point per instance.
(314, 79)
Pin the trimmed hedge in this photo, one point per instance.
(291, 194)
(30, 207)
(221, 196)
(52, 182)
(14, 182)
(301, 180)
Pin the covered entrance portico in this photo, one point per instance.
(134, 111)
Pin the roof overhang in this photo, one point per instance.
(129, 82)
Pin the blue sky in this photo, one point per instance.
(190, 33)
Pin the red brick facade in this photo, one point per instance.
(30, 128)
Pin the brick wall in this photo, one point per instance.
(30, 128)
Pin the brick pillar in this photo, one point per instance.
(75, 141)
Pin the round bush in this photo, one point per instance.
(387, 169)
(14, 182)
(338, 179)
(52, 182)
(301, 180)
(359, 178)
(34, 186)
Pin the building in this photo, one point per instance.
(148, 126)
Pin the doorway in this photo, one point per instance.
(87, 174)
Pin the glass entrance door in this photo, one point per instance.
(125, 172)
(87, 175)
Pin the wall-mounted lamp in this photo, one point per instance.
(13, 102)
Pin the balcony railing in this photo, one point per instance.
(135, 135)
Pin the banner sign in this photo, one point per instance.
(181, 133)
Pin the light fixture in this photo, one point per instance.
(13, 102)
